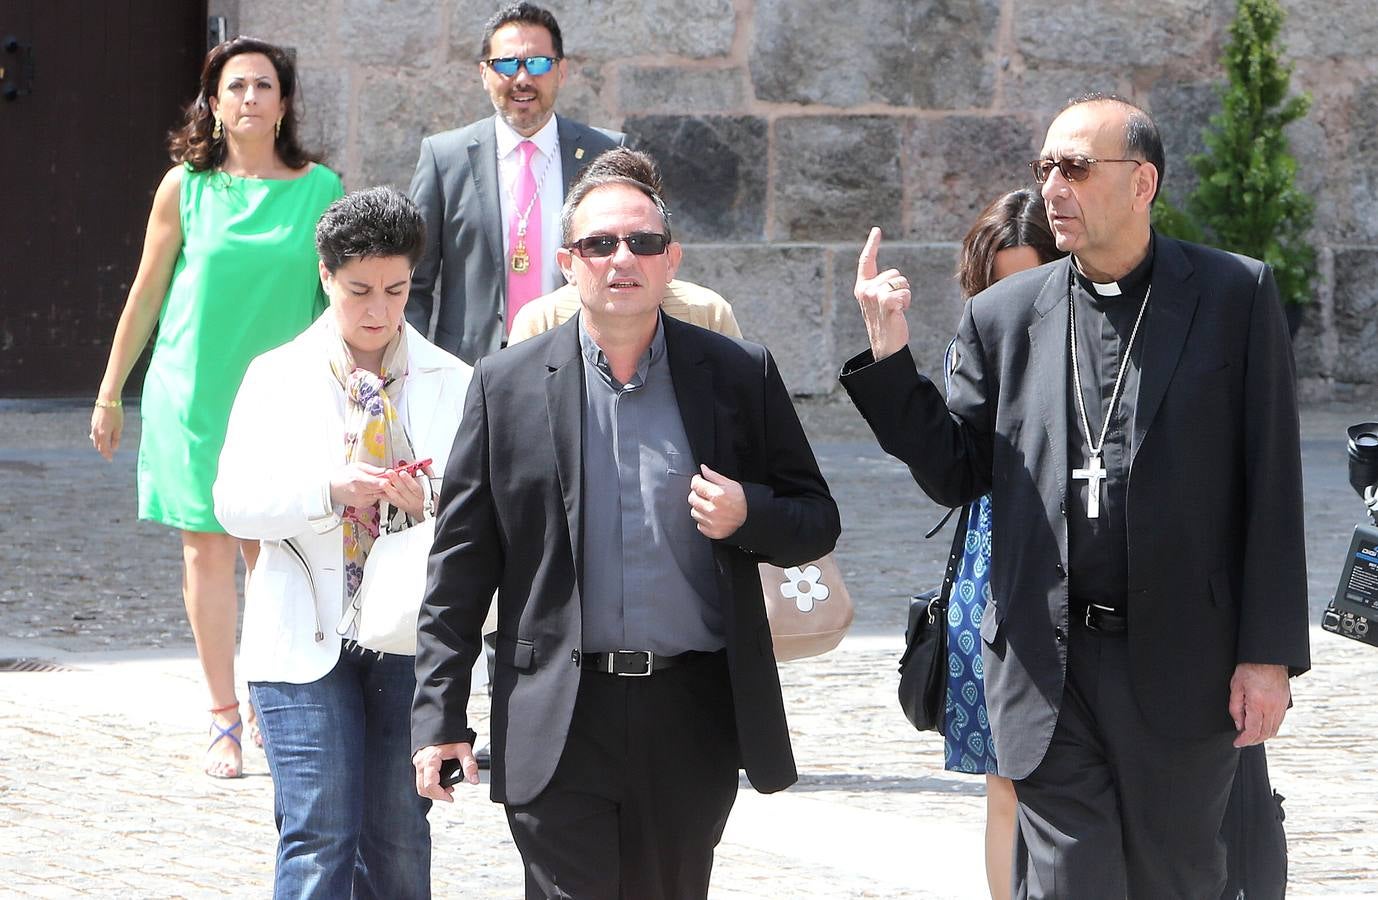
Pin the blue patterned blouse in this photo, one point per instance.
(968, 746)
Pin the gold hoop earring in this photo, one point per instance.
(217, 133)
(277, 129)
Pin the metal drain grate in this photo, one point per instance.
(24, 664)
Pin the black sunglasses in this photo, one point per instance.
(507, 66)
(642, 243)
(1073, 168)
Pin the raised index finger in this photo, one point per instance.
(866, 263)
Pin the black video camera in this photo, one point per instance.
(1353, 611)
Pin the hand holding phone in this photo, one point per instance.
(439, 767)
(451, 773)
(412, 468)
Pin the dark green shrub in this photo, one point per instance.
(1247, 200)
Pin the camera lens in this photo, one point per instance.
(1363, 456)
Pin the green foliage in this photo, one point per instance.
(1246, 200)
(1175, 222)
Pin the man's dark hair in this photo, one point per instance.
(620, 165)
(524, 13)
(378, 222)
(1141, 135)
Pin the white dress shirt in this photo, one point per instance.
(551, 191)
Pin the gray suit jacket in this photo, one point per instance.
(1217, 568)
(456, 188)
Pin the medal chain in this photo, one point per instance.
(524, 217)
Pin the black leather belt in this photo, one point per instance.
(1105, 619)
(632, 663)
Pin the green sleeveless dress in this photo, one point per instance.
(245, 282)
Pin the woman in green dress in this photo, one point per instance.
(228, 272)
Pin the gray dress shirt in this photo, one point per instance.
(649, 580)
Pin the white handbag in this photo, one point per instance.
(384, 610)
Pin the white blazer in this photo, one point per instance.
(285, 437)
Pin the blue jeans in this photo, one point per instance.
(349, 820)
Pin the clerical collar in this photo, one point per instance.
(1131, 285)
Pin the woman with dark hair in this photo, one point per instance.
(227, 272)
(1009, 236)
(318, 440)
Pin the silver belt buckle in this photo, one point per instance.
(1098, 609)
(613, 657)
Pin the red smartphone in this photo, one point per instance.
(413, 468)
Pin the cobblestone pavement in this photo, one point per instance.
(101, 795)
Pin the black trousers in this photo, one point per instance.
(1115, 809)
(642, 792)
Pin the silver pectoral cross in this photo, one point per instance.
(1094, 474)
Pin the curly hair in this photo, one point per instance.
(1016, 219)
(378, 222)
(192, 143)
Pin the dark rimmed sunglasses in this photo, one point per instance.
(642, 243)
(507, 66)
(1073, 168)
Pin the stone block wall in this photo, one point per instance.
(787, 127)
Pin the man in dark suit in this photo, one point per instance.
(617, 480)
(1131, 408)
(490, 192)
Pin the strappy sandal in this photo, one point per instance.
(216, 768)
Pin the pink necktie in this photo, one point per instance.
(524, 257)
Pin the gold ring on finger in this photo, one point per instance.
(895, 284)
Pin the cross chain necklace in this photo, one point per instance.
(1095, 473)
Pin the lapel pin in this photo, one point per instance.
(579, 153)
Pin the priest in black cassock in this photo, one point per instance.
(1132, 410)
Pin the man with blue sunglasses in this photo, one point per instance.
(491, 191)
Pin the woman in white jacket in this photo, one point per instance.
(320, 429)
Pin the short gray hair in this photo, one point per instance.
(1141, 133)
(619, 165)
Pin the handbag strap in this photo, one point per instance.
(386, 511)
(941, 522)
(954, 556)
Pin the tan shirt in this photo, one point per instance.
(684, 300)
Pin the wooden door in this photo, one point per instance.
(89, 92)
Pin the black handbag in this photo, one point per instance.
(923, 666)
(1255, 843)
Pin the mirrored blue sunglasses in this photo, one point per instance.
(507, 66)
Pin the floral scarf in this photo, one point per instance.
(373, 434)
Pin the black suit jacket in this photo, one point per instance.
(457, 190)
(509, 520)
(1217, 570)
